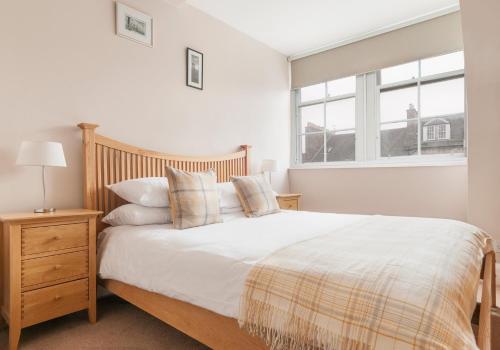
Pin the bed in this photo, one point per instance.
(219, 270)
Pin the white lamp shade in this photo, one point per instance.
(41, 154)
(270, 165)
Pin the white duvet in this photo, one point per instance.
(205, 266)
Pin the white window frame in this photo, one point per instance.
(297, 155)
(418, 82)
(367, 128)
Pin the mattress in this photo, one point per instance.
(206, 266)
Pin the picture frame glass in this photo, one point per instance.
(194, 69)
(134, 25)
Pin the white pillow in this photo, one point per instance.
(133, 214)
(231, 210)
(146, 191)
(228, 198)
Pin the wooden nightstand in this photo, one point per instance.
(48, 267)
(289, 201)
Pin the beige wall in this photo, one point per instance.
(482, 67)
(439, 191)
(440, 35)
(61, 63)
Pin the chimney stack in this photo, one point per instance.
(411, 112)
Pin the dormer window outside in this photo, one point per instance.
(436, 130)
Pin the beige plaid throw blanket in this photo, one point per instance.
(382, 283)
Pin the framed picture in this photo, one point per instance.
(194, 69)
(134, 25)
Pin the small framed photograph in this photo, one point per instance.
(194, 69)
(134, 25)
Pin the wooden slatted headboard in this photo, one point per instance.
(106, 161)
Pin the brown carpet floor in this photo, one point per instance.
(120, 326)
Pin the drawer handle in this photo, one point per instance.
(57, 267)
(56, 238)
(57, 297)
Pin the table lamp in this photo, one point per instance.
(42, 154)
(270, 166)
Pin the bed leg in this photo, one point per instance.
(484, 334)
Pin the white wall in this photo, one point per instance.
(61, 64)
(439, 191)
(482, 67)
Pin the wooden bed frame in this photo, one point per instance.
(106, 161)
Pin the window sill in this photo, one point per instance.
(400, 163)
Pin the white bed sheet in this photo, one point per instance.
(205, 266)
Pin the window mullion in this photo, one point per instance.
(419, 114)
(372, 116)
(297, 145)
(324, 123)
(360, 119)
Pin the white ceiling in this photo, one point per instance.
(295, 27)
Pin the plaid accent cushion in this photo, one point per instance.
(256, 195)
(193, 198)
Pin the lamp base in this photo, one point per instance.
(45, 210)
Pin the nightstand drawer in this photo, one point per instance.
(289, 204)
(47, 303)
(54, 268)
(49, 238)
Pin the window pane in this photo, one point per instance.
(313, 92)
(312, 148)
(342, 86)
(442, 64)
(402, 72)
(341, 115)
(444, 97)
(340, 133)
(340, 146)
(444, 135)
(398, 104)
(312, 118)
(399, 139)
